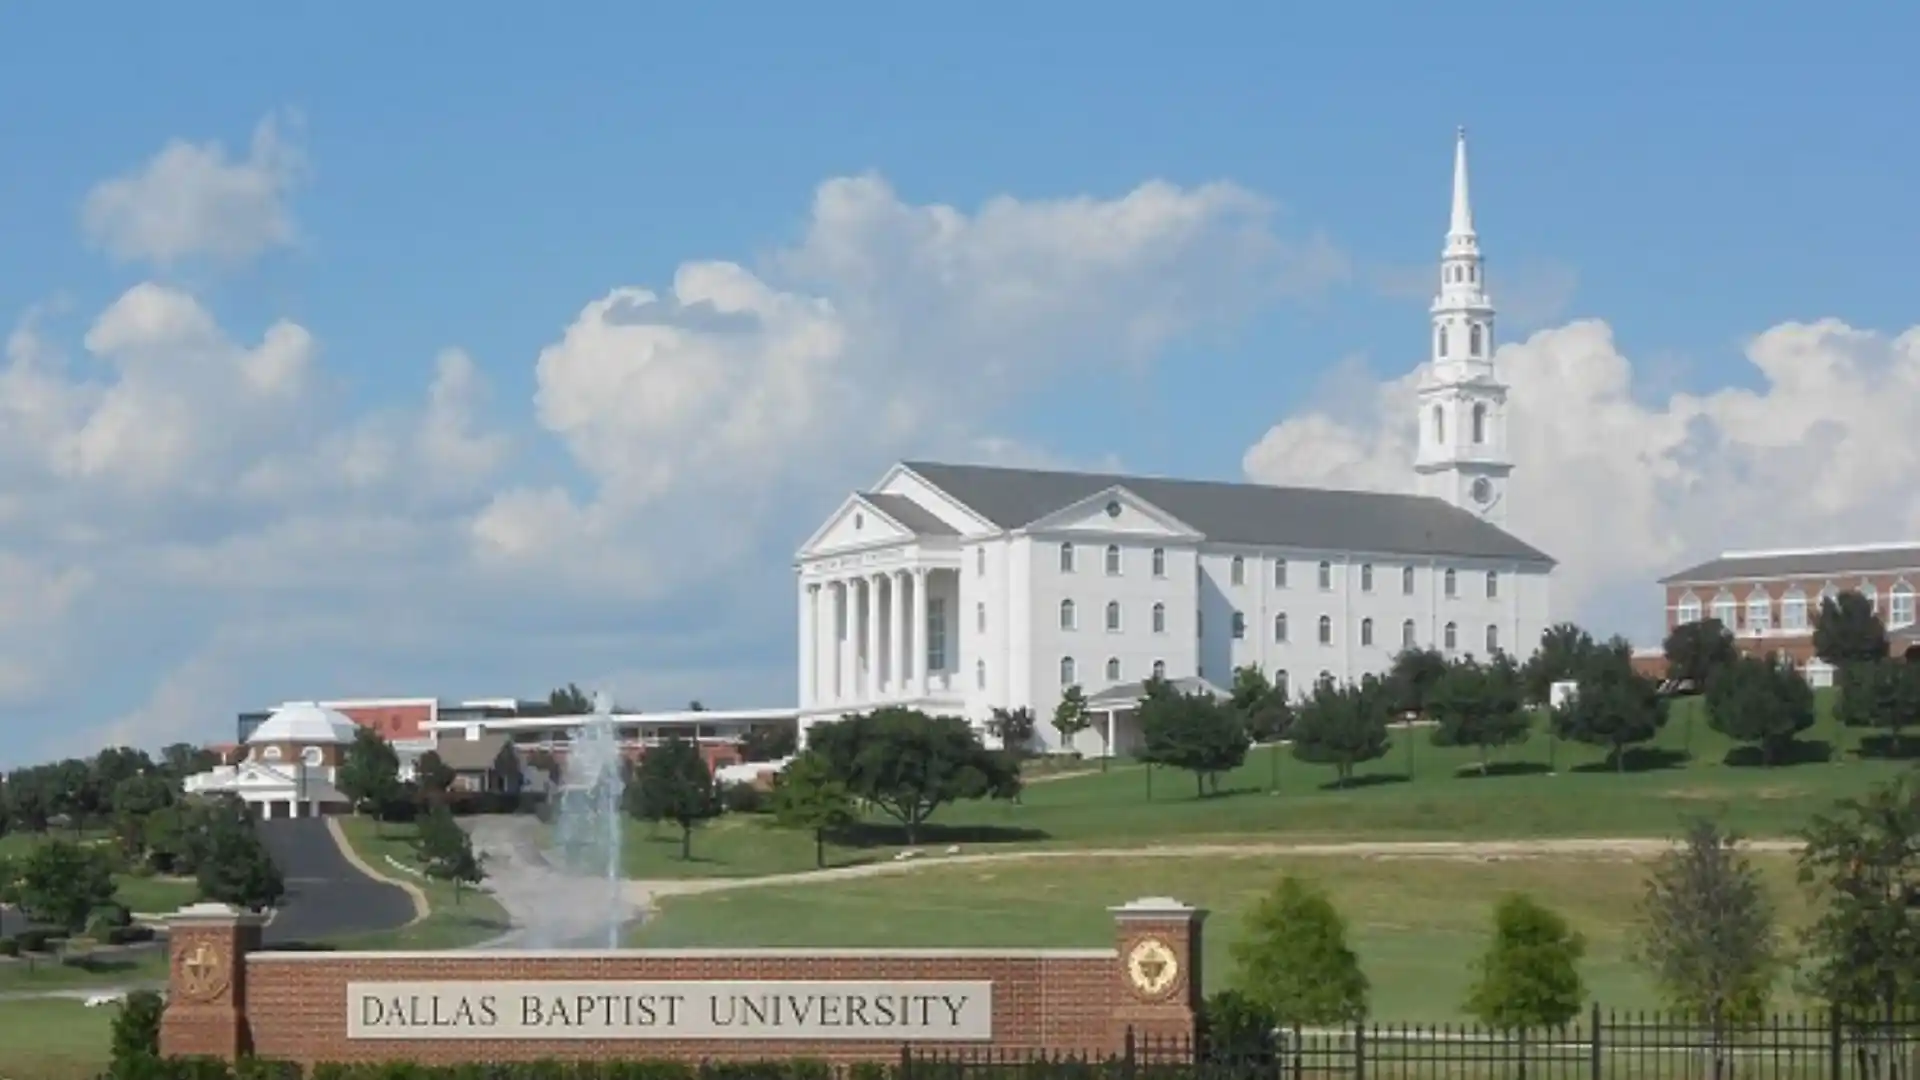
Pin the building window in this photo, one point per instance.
(1407, 639)
(1280, 627)
(1159, 562)
(1159, 669)
(1441, 344)
(1281, 683)
(980, 618)
(312, 756)
(1113, 560)
(1476, 340)
(1067, 617)
(1900, 605)
(1239, 626)
(1439, 425)
(1326, 630)
(1453, 637)
(1279, 573)
(1237, 571)
(1759, 610)
(1066, 558)
(1479, 423)
(1452, 583)
(1366, 631)
(1066, 671)
(1113, 616)
(1872, 596)
(936, 633)
(1793, 610)
(1325, 678)
(980, 562)
(980, 674)
(1366, 577)
(1727, 611)
(1113, 669)
(1493, 640)
(1199, 623)
(1829, 595)
(1406, 580)
(1493, 585)
(1689, 609)
(1159, 618)
(1326, 576)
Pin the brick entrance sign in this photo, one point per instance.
(229, 998)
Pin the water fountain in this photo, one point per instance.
(585, 845)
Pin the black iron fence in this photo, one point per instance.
(1601, 1046)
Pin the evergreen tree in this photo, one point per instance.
(806, 795)
(1761, 701)
(369, 772)
(446, 851)
(61, 883)
(1476, 706)
(1342, 726)
(1193, 732)
(232, 865)
(1882, 694)
(1698, 650)
(1614, 705)
(674, 784)
(1847, 631)
(1529, 976)
(1292, 959)
(1071, 716)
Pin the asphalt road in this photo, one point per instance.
(326, 897)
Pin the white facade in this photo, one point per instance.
(289, 769)
(911, 595)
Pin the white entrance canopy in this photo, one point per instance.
(1117, 707)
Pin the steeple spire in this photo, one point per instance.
(1462, 206)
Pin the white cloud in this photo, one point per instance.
(191, 200)
(1622, 487)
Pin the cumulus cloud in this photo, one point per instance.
(1622, 483)
(191, 199)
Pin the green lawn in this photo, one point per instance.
(1417, 923)
(456, 920)
(137, 892)
(53, 1040)
(1544, 787)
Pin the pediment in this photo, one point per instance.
(255, 774)
(856, 524)
(1115, 510)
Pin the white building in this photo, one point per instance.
(962, 588)
(289, 764)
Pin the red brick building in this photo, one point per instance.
(1770, 599)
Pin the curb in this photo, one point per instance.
(421, 908)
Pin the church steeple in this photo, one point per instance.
(1463, 444)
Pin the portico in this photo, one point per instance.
(875, 629)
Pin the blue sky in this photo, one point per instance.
(1671, 199)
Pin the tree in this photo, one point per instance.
(1014, 728)
(1761, 701)
(769, 742)
(1476, 706)
(232, 865)
(61, 883)
(1862, 863)
(446, 851)
(1881, 693)
(135, 800)
(1614, 705)
(1342, 726)
(369, 772)
(136, 1034)
(1072, 716)
(569, 700)
(909, 764)
(1707, 931)
(1293, 960)
(806, 795)
(1564, 649)
(433, 777)
(1194, 732)
(1412, 678)
(1846, 631)
(674, 784)
(1529, 976)
(1263, 708)
(1697, 650)
(181, 760)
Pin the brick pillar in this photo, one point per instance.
(207, 981)
(1159, 973)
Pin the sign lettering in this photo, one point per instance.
(897, 1011)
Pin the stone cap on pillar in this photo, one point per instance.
(215, 914)
(1161, 908)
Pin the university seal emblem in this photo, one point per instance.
(1151, 967)
(203, 972)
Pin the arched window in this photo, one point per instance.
(271, 753)
(1066, 615)
(1493, 640)
(1727, 610)
(1439, 425)
(1159, 618)
(1453, 637)
(1441, 345)
(980, 674)
(1282, 685)
(1366, 631)
(1159, 562)
(1759, 610)
(1452, 583)
(1900, 605)
(1793, 609)
(1475, 340)
(1479, 422)
(1066, 671)
(1238, 570)
(1113, 616)
(1326, 575)
(1280, 627)
(1113, 669)
(1366, 577)
(1406, 580)
(980, 561)
(1326, 630)
(1872, 596)
(1239, 625)
(1406, 634)
(1159, 669)
(1688, 610)
(312, 756)
(1113, 560)
(1066, 558)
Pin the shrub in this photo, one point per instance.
(743, 799)
(37, 941)
(108, 917)
(9, 947)
(1235, 1029)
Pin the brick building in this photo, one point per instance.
(1770, 599)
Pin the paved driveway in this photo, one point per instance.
(326, 896)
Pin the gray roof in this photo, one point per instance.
(1830, 563)
(1317, 519)
(920, 520)
(1131, 693)
(472, 755)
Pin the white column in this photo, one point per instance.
(897, 635)
(920, 629)
(842, 617)
(809, 626)
(873, 636)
